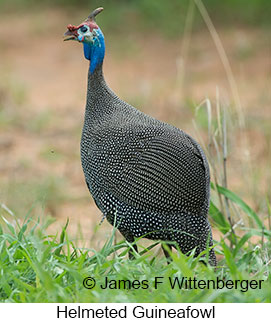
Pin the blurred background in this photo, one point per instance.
(175, 60)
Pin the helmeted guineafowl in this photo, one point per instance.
(147, 177)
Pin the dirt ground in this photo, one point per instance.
(42, 98)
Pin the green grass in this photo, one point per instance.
(37, 267)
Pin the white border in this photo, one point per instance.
(47, 313)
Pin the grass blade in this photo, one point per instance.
(237, 200)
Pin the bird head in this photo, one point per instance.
(88, 33)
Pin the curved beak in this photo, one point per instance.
(70, 35)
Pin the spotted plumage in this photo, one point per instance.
(147, 177)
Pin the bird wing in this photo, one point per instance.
(160, 174)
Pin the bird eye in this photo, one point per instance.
(83, 29)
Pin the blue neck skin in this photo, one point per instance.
(94, 52)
